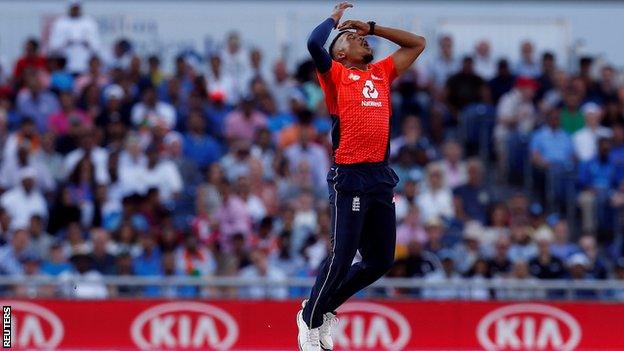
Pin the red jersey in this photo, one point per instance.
(359, 103)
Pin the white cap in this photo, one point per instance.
(27, 172)
(591, 108)
(544, 234)
(113, 91)
(578, 259)
(72, 3)
(172, 137)
(473, 231)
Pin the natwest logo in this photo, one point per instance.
(184, 325)
(369, 326)
(34, 326)
(528, 327)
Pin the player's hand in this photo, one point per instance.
(339, 10)
(361, 28)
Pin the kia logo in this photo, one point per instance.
(371, 326)
(34, 326)
(184, 325)
(528, 327)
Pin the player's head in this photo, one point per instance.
(349, 46)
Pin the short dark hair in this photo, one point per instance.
(333, 42)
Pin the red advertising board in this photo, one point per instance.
(270, 325)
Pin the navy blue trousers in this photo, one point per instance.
(363, 218)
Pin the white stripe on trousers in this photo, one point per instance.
(333, 249)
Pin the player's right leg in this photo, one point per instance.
(348, 211)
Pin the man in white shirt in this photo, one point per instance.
(24, 200)
(76, 36)
(236, 65)
(151, 112)
(516, 114)
(484, 64)
(586, 139)
(445, 65)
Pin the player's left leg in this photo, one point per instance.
(377, 246)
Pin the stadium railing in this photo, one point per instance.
(462, 289)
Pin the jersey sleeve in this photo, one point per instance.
(329, 82)
(387, 66)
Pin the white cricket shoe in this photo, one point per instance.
(329, 321)
(308, 339)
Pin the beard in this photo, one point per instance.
(368, 58)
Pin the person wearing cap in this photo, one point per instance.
(522, 248)
(579, 266)
(516, 117)
(436, 199)
(76, 36)
(545, 265)
(470, 249)
(586, 139)
(24, 200)
(596, 179)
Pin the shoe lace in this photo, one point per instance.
(313, 337)
(331, 321)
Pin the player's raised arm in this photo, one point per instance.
(412, 45)
(318, 37)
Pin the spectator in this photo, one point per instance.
(12, 254)
(497, 224)
(262, 269)
(40, 240)
(502, 82)
(31, 60)
(57, 262)
(447, 274)
(595, 267)
(572, 118)
(516, 117)
(411, 230)
(453, 166)
(522, 248)
(200, 147)
(153, 113)
(465, 87)
(527, 66)
(445, 65)
(578, 266)
(36, 102)
(596, 178)
(436, 198)
(69, 116)
(76, 36)
(83, 282)
(102, 260)
(586, 139)
(547, 76)
(561, 246)
(473, 198)
(243, 123)
(483, 62)
(550, 146)
(499, 265)
(24, 201)
(469, 251)
(525, 286)
(545, 265)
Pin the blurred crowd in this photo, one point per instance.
(112, 166)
